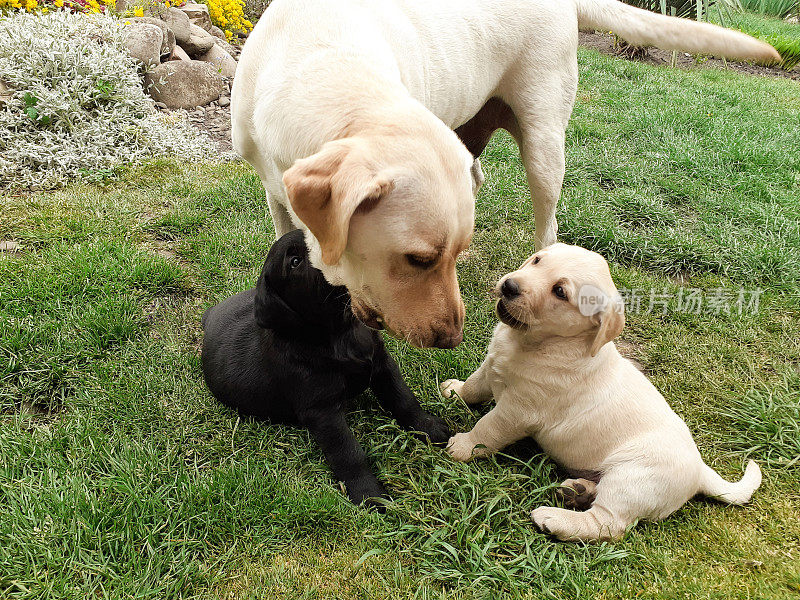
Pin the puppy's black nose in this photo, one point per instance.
(510, 288)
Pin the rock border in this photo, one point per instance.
(186, 60)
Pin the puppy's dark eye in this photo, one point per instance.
(294, 262)
(421, 262)
(535, 260)
(559, 292)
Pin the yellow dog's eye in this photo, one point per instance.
(420, 262)
(559, 292)
(535, 260)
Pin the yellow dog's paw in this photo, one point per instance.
(450, 386)
(460, 447)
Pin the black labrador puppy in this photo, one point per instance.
(291, 351)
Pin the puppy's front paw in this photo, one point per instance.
(434, 427)
(365, 490)
(450, 386)
(461, 447)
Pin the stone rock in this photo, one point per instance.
(169, 44)
(184, 84)
(179, 23)
(199, 42)
(220, 59)
(198, 14)
(225, 46)
(143, 42)
(218, 33)
(121, 6)
(6, 93)
(179, 54)
(224, 101)
(169, 37)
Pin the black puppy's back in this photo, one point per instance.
(236, 367)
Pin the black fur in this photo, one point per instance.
(291, 351)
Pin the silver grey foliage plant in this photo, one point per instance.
(72, 103)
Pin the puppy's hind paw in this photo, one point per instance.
(571, 526)
(578, 494)
(544, 517)
(450, 386)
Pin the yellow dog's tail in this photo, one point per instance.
(645, 28)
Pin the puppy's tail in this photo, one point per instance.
(732, 493)
(645, 28)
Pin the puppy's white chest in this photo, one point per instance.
(510, 383)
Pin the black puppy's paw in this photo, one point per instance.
(366, 490)
(434, 427)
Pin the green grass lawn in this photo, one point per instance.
(783, 35)
(121, 477)
(748, 21)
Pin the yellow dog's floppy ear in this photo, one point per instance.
(326, 188)
(610, 322)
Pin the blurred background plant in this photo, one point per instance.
(784, 9)
(680, 8)
(71, 102)
(149, 8)
(253, 9)
(45, 6)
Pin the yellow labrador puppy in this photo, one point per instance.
(557, 376)
(347, 109)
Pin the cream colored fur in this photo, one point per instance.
(388, 80)
(556, 375)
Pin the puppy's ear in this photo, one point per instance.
(477, 176)
(326, 188)
(610, 323)
(270, 310)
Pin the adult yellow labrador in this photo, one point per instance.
(347, 109)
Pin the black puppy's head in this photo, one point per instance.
(292, 295)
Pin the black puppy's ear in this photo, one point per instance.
(270, 311)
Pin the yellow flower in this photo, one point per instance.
(138, 11)
(228, 15)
